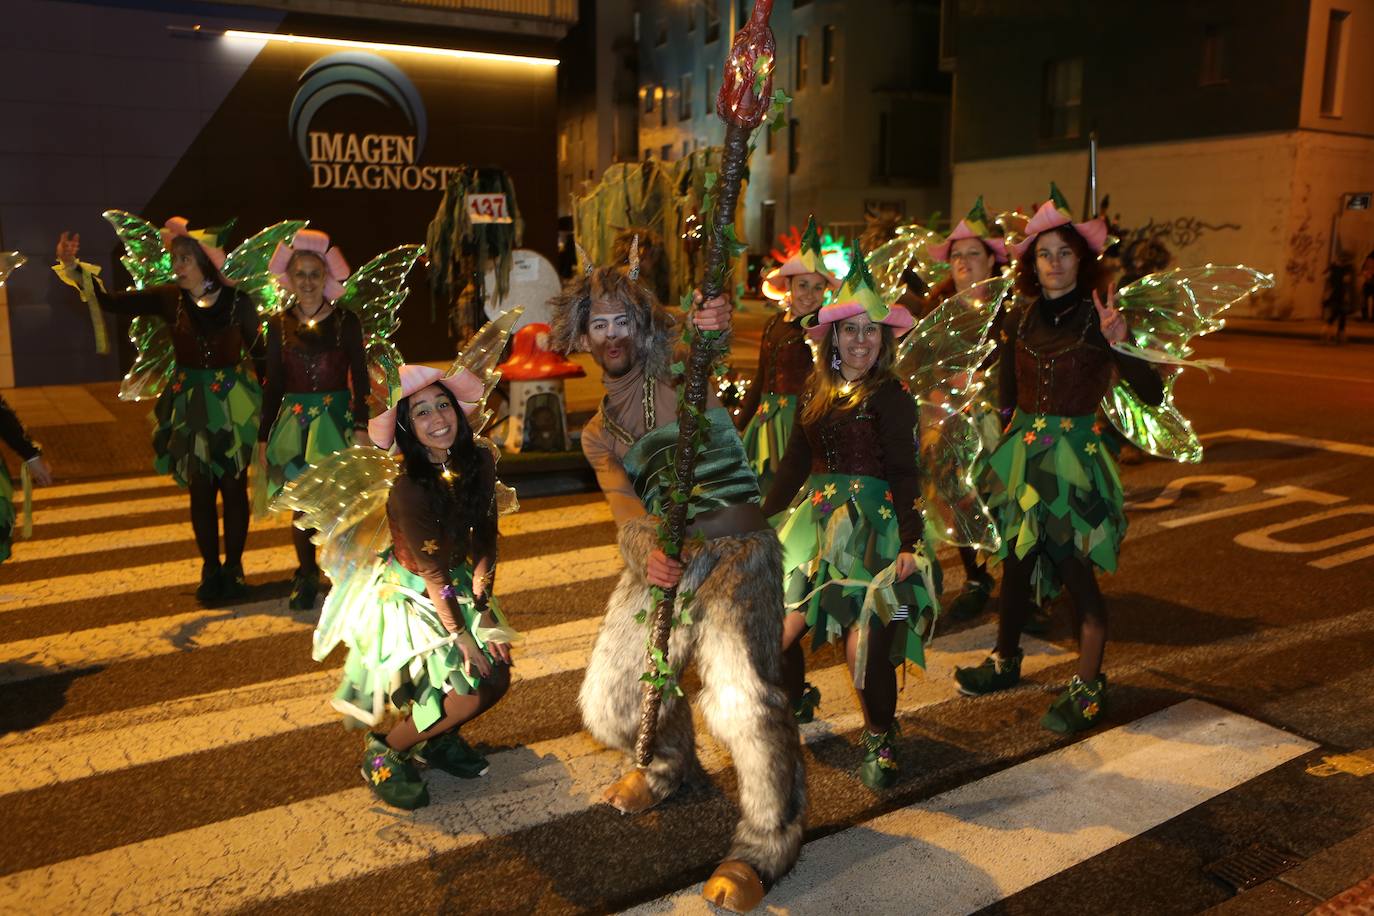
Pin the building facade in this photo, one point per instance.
(195, 109)
(1225, 135)
(867, 128)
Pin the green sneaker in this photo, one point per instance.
(450, 753)
(304, 587)
(995, 673)
(1078, 708)
(391, 775)
(972, 601)
(232, 584)
(211, 588)
(805, 710)
(880, 768)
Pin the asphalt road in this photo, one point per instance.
(167, 758)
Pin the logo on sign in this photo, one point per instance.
(347, 160)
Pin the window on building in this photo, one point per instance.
(768, 223)
(1063, 100)
(710, 99)
(1213, 56)
(691, 18)
(563, 146)
(1333, 73)
(799, 80)
(684, 98)
(662, 107)
(793, 145)
(662, 38)
(647, 93)
(909, 150)
(827, 55)
(712, 22)
(666, 154)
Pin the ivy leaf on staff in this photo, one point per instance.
(744, 101)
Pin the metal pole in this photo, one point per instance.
(1091, 208)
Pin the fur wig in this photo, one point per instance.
(652, 326)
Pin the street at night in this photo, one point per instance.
(194, 747)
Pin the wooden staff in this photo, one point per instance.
(743, 101)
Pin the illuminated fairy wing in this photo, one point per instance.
(1013, 223)
(343, 498)
(906, 249)
(481, 356)
(374, 293)
(246, 266)
(1166, 312)
(940, 360)
(148, 264)
(10, 261)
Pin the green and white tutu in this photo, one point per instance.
(399, 653)
(839, 540)
(765, 436)
(206, 422)
(310, 427)
(1053, 488)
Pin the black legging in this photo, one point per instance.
(459, 709)
(205, 518)
(1091, 611)
(305, 548)
(973, 570)
(878, 696)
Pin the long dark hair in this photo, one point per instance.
(459, 503)
(1089, 267)
(825, 386)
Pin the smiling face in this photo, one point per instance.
(186, 266)
(970, 262)
(859, 340)
(434, 418)
(610, 338)
(305, 277)
(808, 291)
(1056, 264)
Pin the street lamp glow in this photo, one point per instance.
(453, 53)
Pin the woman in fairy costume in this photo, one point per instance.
(973, 254)
(206, 418)
(769, 409)
(1052, 485)
(851, 478)
(424, 633)
(309, 408)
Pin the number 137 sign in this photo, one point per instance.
(488, 208)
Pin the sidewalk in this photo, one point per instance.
(1336, 882)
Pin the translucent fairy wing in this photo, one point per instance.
(10, 261)
(506, 499)
(1013, 223)
(480, 357)
(907, 249)
(246, 265)
(1166, 312)
(344, 499)
(940, 360)
(374, 293)
(154, 358)
(147, 262)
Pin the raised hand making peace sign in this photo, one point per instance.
(1112, 322)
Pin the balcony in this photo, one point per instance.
(541, 18)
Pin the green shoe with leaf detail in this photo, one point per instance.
(995, 673)
(450, 753)
(880, 768)
(391, 775)
(805, 710)
(1078, 708)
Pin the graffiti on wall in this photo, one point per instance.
(1306, 253)
(1152, 247)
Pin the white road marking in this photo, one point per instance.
(92, 488)
(232, 863)
(109, 742)
(115, 509)
(1326, 445)
(975, 845)
(1358, 379)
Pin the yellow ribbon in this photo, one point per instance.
(90, 274)
(26, 483)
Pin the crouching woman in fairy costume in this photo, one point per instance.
(854, 556)
(1051, 484)
(424, 633)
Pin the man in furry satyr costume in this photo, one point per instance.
(732, 564)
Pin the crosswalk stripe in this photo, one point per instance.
(142, 639)
(235, 862)
(114, 509)
(67, 751)
(101, 487)
(970, 847)
(589, 513)
(513, 576)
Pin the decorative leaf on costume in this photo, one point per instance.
(907, 249)
(939, 359)
(1166, 311)
(246, 266)
(344, 499)
(374, 293)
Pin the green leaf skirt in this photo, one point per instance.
(765, 436)
(7, 514)
(839, 534)
(1053, 489)
(310, 427)
(206, 422)
(397, 654)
